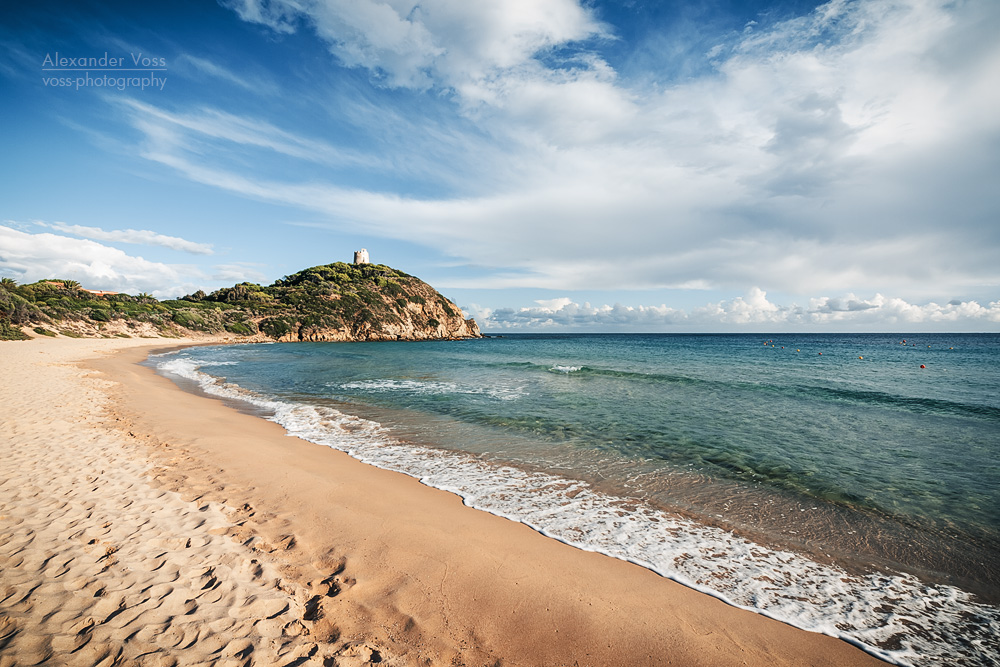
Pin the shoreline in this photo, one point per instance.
(385, 566)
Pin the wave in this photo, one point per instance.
(428, 387)
(914, 404)
(861, 397)
(895, 617)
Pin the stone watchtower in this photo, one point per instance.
(361, 257)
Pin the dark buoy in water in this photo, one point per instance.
(922, 366)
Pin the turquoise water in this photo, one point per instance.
(836, 457)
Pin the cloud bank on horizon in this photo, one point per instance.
(752, 311)
(704, 150)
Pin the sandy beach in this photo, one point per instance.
(140, 524)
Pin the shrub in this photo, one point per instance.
(189, 319)
(197, 296)
(241, 328)
(10, 332)
(446, 307)
(100, 315)
(275, 327)
(18, 310)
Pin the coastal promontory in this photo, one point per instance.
(331, 302)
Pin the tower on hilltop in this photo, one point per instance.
(361, 257)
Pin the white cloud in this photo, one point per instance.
(256, 84)
(752, 312)
(441, 43)
(30, 257)
(552, 305)
(849, 149)
(238, 272)
(189, 130)
(136, 236)
(272, 14)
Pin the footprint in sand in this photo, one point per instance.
(215, 595)
(171, 543)
(7, 593)
(108, 607)
(159, 660)
(263, 609)
(159, 591)
(178, 605)
(78, 626)
(66, 644)
(251, 569)
(77, 584)
(8, 628)
(283, 543)
(179, 637)
(95, 654)
(33, 650)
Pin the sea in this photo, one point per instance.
(846, 484)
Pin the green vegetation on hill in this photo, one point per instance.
(62, 301)
(331, 302)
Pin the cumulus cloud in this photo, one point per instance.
(30, 257)
(136, 236)
(553, 305)
(238, 272)
(437, 43)
(752, 312)
(852, 148)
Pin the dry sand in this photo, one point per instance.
(143, 525)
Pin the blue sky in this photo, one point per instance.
(547, 164)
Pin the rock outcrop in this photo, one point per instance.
(345, 302)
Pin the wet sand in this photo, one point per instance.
(140, 524)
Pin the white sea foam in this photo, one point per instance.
(566, 369)
(430, 387)
(894, 617)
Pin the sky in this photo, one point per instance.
(549, 165)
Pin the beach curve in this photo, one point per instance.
(354, 565)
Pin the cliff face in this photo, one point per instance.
(343, 302)
(333, 302)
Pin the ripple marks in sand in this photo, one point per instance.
(99, 567)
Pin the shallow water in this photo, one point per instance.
(827, 480)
